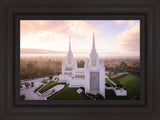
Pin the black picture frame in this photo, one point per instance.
(12, 11)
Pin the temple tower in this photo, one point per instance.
(68, 65)
(95, 73)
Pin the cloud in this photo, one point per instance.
(129, 40)
(53, 35)
(119, 22)
(69, 27)
(80, 27)
(128, 22)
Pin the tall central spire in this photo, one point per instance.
(69, 44)
(93, 44)
(69, 54)
(69, 50)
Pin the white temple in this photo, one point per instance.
(91, 77)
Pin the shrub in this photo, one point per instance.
(22, 97)
(99, 97)
(32, 84)
(48, 86)
(50, 77)
(44, 81)
(108, 85)
(125, 88)
(56, 78)
(27, 85)
(119, 85)
(80, 64)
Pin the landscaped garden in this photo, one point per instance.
(68, 94)
(129, 82)
(48, 86)
(38, 88)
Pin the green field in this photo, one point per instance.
(68, 94)
(132, 84)
(48, 86)
(129, 82)
(116, 79)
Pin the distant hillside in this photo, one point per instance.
(38, 51)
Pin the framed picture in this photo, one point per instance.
(79, 60)
(55, 68)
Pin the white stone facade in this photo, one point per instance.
(91, 77)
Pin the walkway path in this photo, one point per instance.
(51, 91)
(110, 80)
(119, 74)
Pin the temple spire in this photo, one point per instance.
(69, 54)
(69, 44)
(93, 44)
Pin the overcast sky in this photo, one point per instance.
(112, 37)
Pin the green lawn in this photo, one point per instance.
(115, 79)
(38, 88)
(48, 86)
(68, 94)
(132, 84)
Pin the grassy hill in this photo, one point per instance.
(129, 82)
(132, 84)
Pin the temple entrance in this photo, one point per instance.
(94, 82)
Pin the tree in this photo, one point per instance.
(123, 66)
(27, 85)
(22, 97)
(119, 85)
(50, 77)
(109, 75)
(106, 68)
(80, 64)
(29, 65)
(99, 97)
(32, 84)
